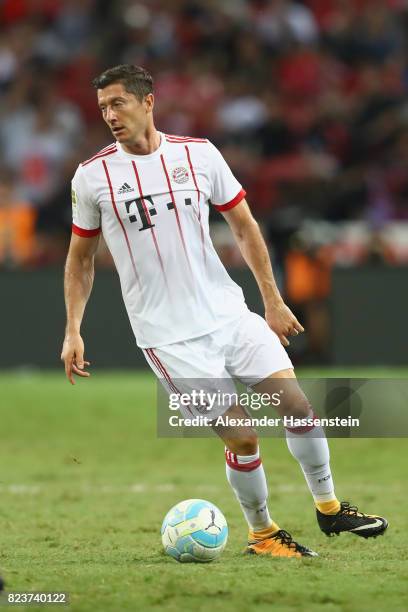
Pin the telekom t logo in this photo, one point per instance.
(145, 208)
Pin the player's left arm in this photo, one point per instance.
(253, 248)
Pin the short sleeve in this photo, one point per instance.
(226, 191)
(86, 219)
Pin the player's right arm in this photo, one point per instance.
(78, 282)
(79, 271)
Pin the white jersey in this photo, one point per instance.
(153, 212)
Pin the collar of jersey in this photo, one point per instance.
(148, 156)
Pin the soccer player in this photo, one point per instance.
(149, 194)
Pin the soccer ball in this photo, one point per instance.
(194, 531)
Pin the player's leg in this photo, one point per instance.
(245, 474)
(308, 445)
(185, 364)
(258, 359)
(245, 471)
(181, 364)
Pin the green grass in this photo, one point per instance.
(85, 483)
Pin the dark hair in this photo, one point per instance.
(135, 79)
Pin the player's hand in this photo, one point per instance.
(73, 357)
(283, 322)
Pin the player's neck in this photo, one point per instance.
(147, 143)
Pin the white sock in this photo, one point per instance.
(309, 447)
(246, 476)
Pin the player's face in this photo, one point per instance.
(125, 115)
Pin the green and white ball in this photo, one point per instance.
(194, 531)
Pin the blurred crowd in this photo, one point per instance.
(306, 99)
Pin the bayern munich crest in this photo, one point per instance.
(180, 175)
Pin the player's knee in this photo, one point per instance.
(245, 445)
(301, 410)
(299, 407)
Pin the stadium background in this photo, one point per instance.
(308, 103)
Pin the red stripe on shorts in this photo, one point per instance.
(156, 361)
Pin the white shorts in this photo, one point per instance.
(246, 350)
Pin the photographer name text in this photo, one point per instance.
(286, 421)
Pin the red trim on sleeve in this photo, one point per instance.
(223, 207)
(85, 233)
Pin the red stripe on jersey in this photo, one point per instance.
(99, 155)
(120, 220)
(176, 212)
(149, 219)
(176, 136)
(223, 207)
(112, 144)
(101, 152)
(198, 199)
(156, 362)
(85, 233)
(183, 138)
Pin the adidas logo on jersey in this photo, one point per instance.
(125, 189)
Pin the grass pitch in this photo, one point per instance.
(85, 484)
